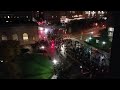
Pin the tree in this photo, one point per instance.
(104, 35)
(8, 51)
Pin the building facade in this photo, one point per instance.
(26, 34)
(55, 16)
(15, 17)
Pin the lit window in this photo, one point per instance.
(102, 12)
(8, 16)
(73, 11)
(87, 12)
(15, 37)
(110, 34)
(37, 11)
(4, 37)
(17, 17)
(93, 13)
(26, 16)
(33, 38)
(99, 12)
(4, 16)
(52, 16)
(7, 21)
(41, 12)
(25, 36)
(111, 29)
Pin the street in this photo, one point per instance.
(76, 65)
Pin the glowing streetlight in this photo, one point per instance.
(42, 47)
(40, 28)
(91, 32)
(1, 60)
(90, 38)
(55, 61)
(103, 42)
(87, 40)
(96, 24)
(46, 30)
(80, 66)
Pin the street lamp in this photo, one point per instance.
(91, 32)
(90, 38)
(55, 61)
(103, 42)
(46, 30)
(87, 40)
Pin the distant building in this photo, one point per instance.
(26, 34)
(19, 16)
(56, 16)
(15, 17)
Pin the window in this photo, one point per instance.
(52, 16)
(4, 37)
(73, 11)
(33, 38)
(8, 16)
(110, 34)
(25, 36)
(15, 37)
(26, 16)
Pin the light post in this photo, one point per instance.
(103, 43)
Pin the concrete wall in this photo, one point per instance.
(31, 30)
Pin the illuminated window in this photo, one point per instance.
(110, 34)
(33, 38)
(4, 37)
(25, 36)
(52, 16)
(15, 37)
(73, 11)
(26, 16)
(111, 29)
(4, 16)
(8, 16)
(102, 12)
(99, 12)
(17, 17)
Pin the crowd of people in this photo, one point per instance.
(90, 63)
